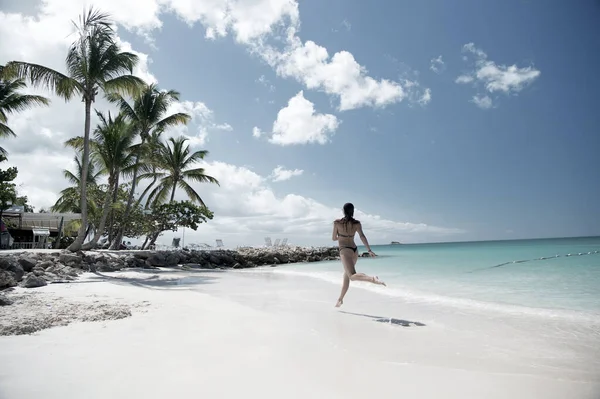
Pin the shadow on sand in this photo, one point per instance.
(155, 279)
(388, 320)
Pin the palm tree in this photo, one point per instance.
(111, 150)
(173, 163)
(70, 200)
(95, 63)
(151, 153)
(148, 114)
(12, 101)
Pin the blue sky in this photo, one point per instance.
(525, 167)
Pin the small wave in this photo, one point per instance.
(413, 296)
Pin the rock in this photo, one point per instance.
(228, 260)
(16, 269)
(214, 259)
(172, 259)
(4, 300)
(64, 266)
(33, 281)
(7, 279)
(68, 259)
(44, 265)
(50, 277)
(135, 262)
(27, 263)
(5, 262)
(156, 260)
(108, 266)
(142, 254)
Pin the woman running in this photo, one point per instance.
(344, 230)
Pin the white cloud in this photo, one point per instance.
(339, 75)
(484, 102)
(437, 65)
(202, 119)
(297, 123)
(426, 97)
(282, 174)
(493, 77)
(256, 132)
(346, 24)
(251, 22)
(247, 210)
(464, 79)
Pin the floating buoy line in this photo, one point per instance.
(537, 259)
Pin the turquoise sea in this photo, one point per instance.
(548, 277)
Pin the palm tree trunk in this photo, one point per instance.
(153, 240)
(145, 242)
(117, 241)
(146, 191)
(173, 192)
(105, 209)
(115, 189)
(76, 245)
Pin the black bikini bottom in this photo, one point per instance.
(352, 248)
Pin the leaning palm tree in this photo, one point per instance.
(95, 63)
(174, 162)
(148, 113)
(12, 101)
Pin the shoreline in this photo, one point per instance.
(195, 331)
(36, 268)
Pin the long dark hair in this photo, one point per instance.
(348, 215)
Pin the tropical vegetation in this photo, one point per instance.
(126, 150)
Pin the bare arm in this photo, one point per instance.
(363, 238)
(334, 235)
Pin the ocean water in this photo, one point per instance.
(555, 278)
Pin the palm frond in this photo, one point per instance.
(160, 192)
(11, 101)
(71, 177)
(124, 84)
(173, 120)
(193, 158)
(5, 131)
(191, 193)
(152, 175)
(122, 105)
(41, 76)
(115, 62)
(199, 176)
(75, 142)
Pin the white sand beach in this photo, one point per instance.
(263, 334)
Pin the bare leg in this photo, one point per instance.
(349, 259)
(345, 286)
(369, 279)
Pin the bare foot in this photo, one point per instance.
(339, 303)
(377, 281)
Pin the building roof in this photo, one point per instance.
(30, 220)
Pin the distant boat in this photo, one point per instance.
(395, 243)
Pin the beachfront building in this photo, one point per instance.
(29, 230)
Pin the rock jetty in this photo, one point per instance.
(36, 269)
